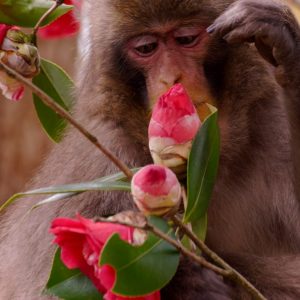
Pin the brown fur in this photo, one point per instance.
(254, 214)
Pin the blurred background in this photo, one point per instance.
(23, 143)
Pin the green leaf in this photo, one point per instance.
(26, 13)
(66, 194)
(70, 284)
(72, 188)
(58, 85)
(75, 189)
(57, 197)
(202, 169)
(200, 227)
(145, 269)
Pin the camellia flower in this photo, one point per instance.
(64, 26)
(156, 190)
(11, 88)
(3, 30)
(81, 241)
(172, 128)
(18, 53)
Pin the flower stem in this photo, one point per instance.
(231, 272)
(199, 259)
(148, 227)
(55, 5)
(64, 114)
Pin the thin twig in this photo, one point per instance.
(55, 5)
(148, 227)
(233, 274)
(64, 114)
(185, 203)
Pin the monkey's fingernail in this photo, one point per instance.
(211, 28)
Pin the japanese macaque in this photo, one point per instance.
(242, 56)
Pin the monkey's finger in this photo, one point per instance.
(274, 43)
(280, 40)
(227, 21)
(243, 12)
(244, 33)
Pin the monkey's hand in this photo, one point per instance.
(269, 24)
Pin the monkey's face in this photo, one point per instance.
(144, 47)
(171, 54)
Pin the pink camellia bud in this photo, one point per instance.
(17, 52)
(156, 190)
(172, 128)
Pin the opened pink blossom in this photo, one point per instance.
(81, 241)
(64, 26)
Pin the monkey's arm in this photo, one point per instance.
(274, 30)
(269, 24)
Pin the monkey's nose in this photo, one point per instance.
(170, 80)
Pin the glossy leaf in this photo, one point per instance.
(26, 13)
(70, 284)
(95, 186)
(202, 169)
(200, 227)
(57, 197)
(63, 195)
(55, 82)
(145, 269)
(72, 188)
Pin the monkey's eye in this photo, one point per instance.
(187, 37)
(187, 40)
(147, 49)
(145, 45)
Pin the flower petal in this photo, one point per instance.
(155, 190)
(3, 30)
(64, 26)
(81, 242)
(186, 128)
(10, 87)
